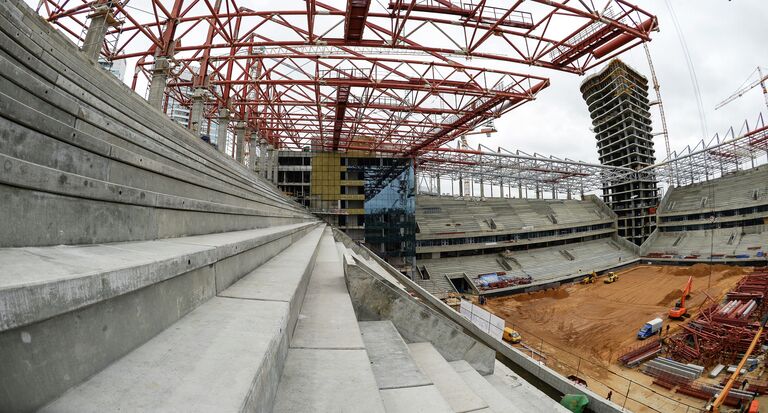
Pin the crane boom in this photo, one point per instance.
(762, 81)
(728, 385)
(686, 291)
(680, 311)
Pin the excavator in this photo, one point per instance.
(680, 311)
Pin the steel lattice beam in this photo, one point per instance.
(282, 69)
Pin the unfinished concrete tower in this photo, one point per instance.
(617, 98)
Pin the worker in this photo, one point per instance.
(610, 393)
(667, 330)
(744, 384)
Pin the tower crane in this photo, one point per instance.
(762, 81)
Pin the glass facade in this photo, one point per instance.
(390, 205)
(371, 198)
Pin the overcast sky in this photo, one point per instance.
(726, 41)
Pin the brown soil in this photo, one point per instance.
(599, 322)
(600, 319)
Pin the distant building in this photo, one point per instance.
(371, 198)
(617, 98)
(117, 68)
(180, 113)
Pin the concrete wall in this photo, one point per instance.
(541, 376)
(374, 300)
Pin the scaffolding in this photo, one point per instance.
(515, 173)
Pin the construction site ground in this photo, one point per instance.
(582, 329)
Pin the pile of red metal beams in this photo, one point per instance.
(722, 332)
(704, 392)
(641, 353)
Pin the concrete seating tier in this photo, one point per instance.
(733, 191)
(72, 312)
(727, 243)
(86, 160)
(541, 264)
(436, 215)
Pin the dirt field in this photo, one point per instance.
(599, 322)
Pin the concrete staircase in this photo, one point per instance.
(415, 377)
(225, 355)
(140, 269)
(327, 368)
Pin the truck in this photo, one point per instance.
(650, 328)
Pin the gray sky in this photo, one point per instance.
(726, 41)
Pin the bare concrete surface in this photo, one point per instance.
(208, 361)
(520, 392)
(327, 368)
(322, 380)
(278, 278)
(421, 399)
(455, 391)
(392, 363)
(485, 390)
(327, 318)
(41, 282)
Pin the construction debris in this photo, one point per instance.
(723, 331)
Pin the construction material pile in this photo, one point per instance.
(668, 373)
(723, 331)
(641, 353)
(500, 279)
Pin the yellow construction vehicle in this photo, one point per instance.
(589, 279)
(511, 336)
(611, 278)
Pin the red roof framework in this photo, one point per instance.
(402, 77)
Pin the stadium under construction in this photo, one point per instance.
(219, 205)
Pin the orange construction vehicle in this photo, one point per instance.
(680, 311)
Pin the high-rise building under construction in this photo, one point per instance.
(617, 98)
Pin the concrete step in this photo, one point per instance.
(226, 355)
(460, 397)
(107, 100)
(391, 360)
(402, 385)
(221, 357)
(69, 312)
(485, 390)
(70, 62)
(83, 275)
(327, 319)
(327, 369)
(521, 393)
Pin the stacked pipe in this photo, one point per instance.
(735, 311)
